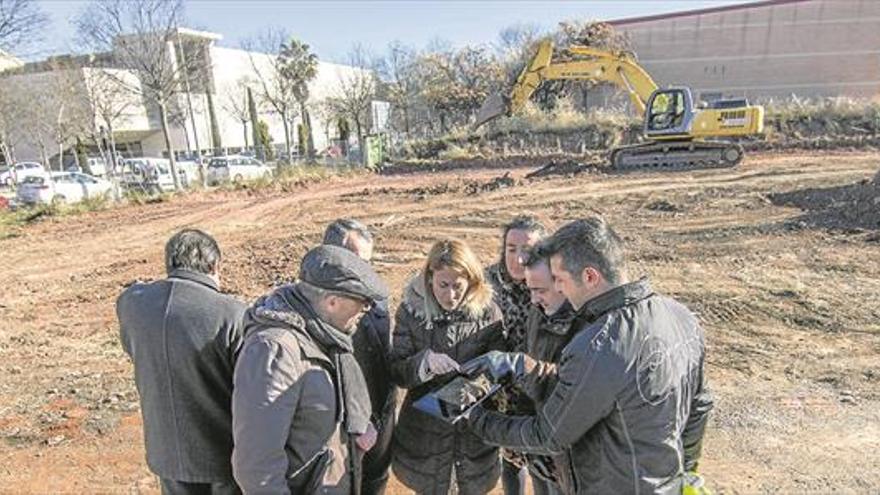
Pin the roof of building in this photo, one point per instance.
(697, 12)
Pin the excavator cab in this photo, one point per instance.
(669, 112)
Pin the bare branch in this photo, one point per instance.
(21, 22)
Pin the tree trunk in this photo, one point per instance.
(215, 129)
(112, 148)
(360, 138)
(43, 157)
(307, 121)
(163, 116)
(4, 150)
(255, 126)
(286, 139)
(244, 133)
(60, 157)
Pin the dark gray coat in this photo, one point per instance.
(183, 336)
(372, 349)
(426, 448)
(629, 405)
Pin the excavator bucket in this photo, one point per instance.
(494, 106)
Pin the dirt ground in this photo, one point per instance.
(791, 307)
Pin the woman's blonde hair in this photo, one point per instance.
(456, 255)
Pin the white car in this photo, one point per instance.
(96, 167)
(146, 174)
(61, 187)
(236, 168)
(17, 173)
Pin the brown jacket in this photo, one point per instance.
(288, 438)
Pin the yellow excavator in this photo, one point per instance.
(679, 133)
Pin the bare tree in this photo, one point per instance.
(69, 118)
(10, 112)
(110, 104)
(275, 87)
(141, 34)
(21, 22)
(235, 104)
(401, 84)
(515, 42)
(355, 92)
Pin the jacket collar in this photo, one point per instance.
(275, 309)
(616, 298)
(199, 278)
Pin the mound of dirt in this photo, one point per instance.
(476, 187)
(569, 167)
(855, 206)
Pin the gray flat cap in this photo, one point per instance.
(337, 269)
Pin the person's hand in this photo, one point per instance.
(367, 439)
(440, 364)
(500, 366)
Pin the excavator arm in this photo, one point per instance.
(618, 68)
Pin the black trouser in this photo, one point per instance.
(174, 487)
(512, 484)
(377, 463)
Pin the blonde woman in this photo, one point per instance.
(445, 319)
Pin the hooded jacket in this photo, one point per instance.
(629, 405)
(287, 409)
(427, 448)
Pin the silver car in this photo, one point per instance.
(236, 168)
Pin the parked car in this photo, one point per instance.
(95, 166)
(236, 168)
(63, 187)
(148, 175)
(17, 173)
(188, 171)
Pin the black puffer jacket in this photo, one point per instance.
(426, 448)
(629, 405)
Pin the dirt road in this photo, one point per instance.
(791, 311)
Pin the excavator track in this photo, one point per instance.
(676, 155)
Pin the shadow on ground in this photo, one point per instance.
(849, 207)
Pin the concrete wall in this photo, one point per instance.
(808, 48)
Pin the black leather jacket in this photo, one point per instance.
(628, 405)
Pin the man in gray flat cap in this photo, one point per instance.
(300, 405)
(372, 348)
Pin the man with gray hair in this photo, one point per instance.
(183, 335)
(372, 347)
(352, 235)
(300, 406)
(629, 404)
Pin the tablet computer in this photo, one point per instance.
(453, 401)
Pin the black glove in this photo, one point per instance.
(500, 366)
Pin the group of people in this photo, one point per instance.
(603, 386)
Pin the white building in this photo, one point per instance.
(49, 96)
(7, 61)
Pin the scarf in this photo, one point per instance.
(351, 389)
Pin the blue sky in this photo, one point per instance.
(332, 27)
